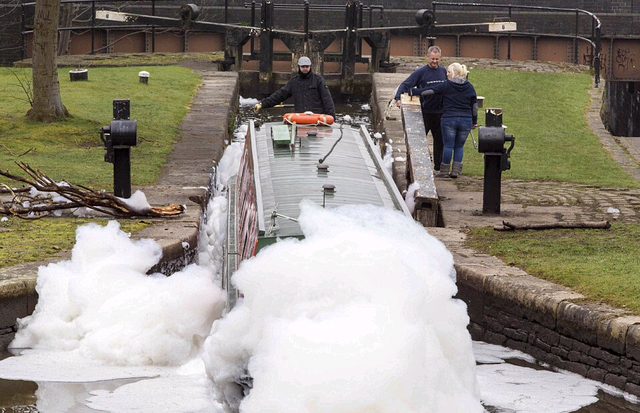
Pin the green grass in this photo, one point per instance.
(601, 264)
(71, 149)
(546, 114)
(35, 240)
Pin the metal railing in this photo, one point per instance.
(92, 27)
(594, 40)
(358, 23)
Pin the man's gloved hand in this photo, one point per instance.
(257, 108)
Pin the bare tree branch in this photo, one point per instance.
(26, 86)
(30, 207)
(507, 226)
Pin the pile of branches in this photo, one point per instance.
(25, 205)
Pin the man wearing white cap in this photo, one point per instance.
(309, 91)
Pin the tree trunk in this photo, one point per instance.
(66, 20)
(47, 103)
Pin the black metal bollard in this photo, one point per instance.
(118, 138)
(491, 140)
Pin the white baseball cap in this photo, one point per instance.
(304, 61)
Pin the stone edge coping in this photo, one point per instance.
(552, 306)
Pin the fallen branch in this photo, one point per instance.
(5, 189)
(22, 154)
(34, 207)
(507, 226)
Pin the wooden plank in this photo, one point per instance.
(420, 164)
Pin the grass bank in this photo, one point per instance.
(546, 114)
(600, 264)
(71, 150)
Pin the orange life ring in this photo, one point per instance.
(308, 118)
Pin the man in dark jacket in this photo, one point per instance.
(309, 91)
(431, 105)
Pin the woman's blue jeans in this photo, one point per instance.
(454, 134)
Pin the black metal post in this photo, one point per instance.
(306, 17)
(576, 60)
(153, 28)
(509, 39)
(122, 172)
(121, 154)
(492, 190)
(359, 18)
(266, 47)
(596, 62)
(492, 183)
(349, 50)
(23, 51)
(253, 24)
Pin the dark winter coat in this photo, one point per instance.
(459, 95)
(310, 93)
(421, 78)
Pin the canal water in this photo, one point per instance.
(65, 376)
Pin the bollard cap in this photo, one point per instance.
(143, 74)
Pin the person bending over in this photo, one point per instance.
(431, 105)
(309, 90)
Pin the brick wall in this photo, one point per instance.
(619, 18)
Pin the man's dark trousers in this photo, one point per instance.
(432, 123)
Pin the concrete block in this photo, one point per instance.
(604, 355)
(494, 338)
(577, 368)
(560, 352)
(547, 335)
(582, 321)
(596, 374)
(615, 380)
(515, 334)
(632, 388)
(13, 308)
(632, 342)
(612, 333)
(542, 345)
(471, 291)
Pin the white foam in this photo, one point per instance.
(363, 306)
(103, 303)
(357, 317)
